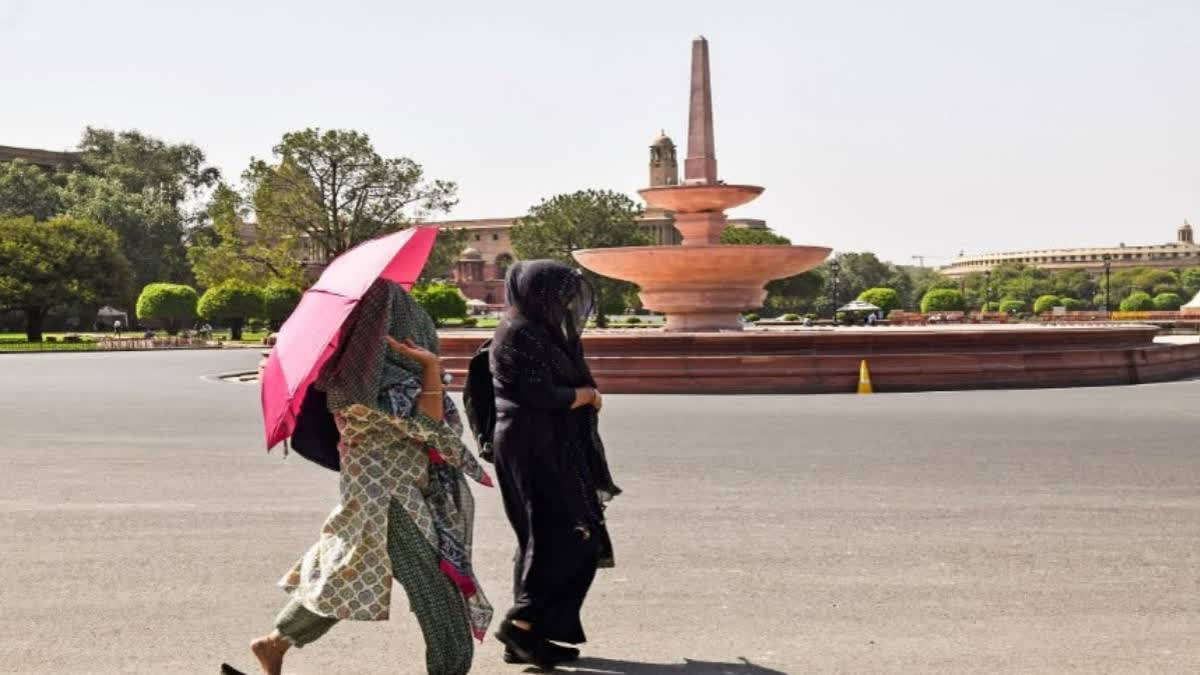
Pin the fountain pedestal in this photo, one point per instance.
(702, 285)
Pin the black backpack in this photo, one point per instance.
(316, 437)
(479, 401)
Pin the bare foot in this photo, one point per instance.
(269, 651)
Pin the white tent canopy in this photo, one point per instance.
(1194, 304)
(107, 312)
(858, 306)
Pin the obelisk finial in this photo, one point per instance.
(701, 163)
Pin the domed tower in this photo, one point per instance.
(470, 265)
(1184, 234)
(664, 167)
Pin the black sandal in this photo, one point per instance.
(525, 646)
(558, 653)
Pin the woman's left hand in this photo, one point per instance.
(413, 351)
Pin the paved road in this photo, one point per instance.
(1054, 531)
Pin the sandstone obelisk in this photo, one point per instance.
(701, 163)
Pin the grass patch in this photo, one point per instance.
(249, 337)
(483, 322)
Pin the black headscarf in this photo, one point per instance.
(549, 304)
(557, 299)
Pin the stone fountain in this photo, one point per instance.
(701, 286)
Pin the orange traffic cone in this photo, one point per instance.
(864, 379)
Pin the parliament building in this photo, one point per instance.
(1183, 252)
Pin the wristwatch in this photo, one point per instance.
(447, 378)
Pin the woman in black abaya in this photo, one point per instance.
(549, 459)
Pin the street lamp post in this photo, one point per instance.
(1107, 285)
(836, 267)
(987, 287)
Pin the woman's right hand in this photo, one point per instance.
(597, 400)
(584, 396)
(413, 351)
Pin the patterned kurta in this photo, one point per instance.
(420, 464)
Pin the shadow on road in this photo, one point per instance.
(594, 666)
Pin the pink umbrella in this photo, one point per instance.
(310, 335)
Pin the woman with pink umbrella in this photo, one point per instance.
(406, 510)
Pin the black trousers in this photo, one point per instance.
(551, 582)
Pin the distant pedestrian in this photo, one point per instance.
(117, 327)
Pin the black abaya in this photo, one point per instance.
(549, 458)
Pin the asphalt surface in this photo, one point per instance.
(142, 529)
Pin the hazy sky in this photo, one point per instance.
(900, 127)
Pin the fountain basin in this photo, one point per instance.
(702, 288)
(700, 197)
(901, 359)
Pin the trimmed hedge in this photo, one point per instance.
(1045, 303)
(943, 300)
(172, 304)
(232, 303)
(1138, 302)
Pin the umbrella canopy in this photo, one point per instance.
(475, 302)
(310, 335)
(858, 306)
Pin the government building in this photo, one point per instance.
(44, 159)
(481, 267)
(1183, 252)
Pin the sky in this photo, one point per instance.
(913, 128)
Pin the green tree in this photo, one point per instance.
(232, 303)
(333, 189)
(60, 263)
(791, 294)
(26, 190)
(441, 301)
(745, 236)
(1189, 279)
(924, 279)
(585, 219)
(1146, 279)
(902, 280)
(886, 299)
(856, 273)
(172, 304)
(943, 300)
(1073, 283)
(145, 190)
(1167, 302)
(1138, 302)
(233, 248)
(279, 300)
(446, 250)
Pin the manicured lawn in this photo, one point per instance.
(481, 322)
(15, 342)
(248, 337)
